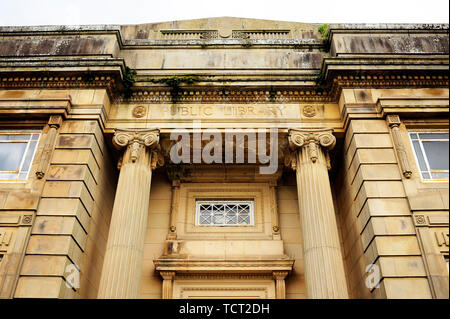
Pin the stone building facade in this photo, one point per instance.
(93, 204)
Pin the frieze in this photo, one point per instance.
(317, 93)
(283, 94)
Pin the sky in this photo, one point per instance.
(76, 12)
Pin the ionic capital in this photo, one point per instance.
(312, 140)
(167, 275)
(303, 137)
(280, 275)
(136, 141)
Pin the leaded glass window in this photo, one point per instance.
(17, 151)
(431, 150)
(224, 213)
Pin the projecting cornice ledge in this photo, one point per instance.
(37, 107)
(413, 106)
(253, 266)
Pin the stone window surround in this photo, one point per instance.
(22, 170)
(430, 131)
(258, 192)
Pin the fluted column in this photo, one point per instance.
(280, 284)
(324, 269)
(122, 265)
(167, 286)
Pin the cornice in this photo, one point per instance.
(53, 81)
(229, 43)
(288, 94)
(216, 94)
(326, 90)
(224, 266)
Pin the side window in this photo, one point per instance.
(224, 213)
(431, 152)
(17, 149)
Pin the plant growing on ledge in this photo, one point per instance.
(323, 30)
(175, 82)
(129, 78)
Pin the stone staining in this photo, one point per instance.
(345, 94)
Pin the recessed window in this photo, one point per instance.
(224, 213)
(17, 151)
(431, 150)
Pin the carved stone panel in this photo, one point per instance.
(14, 230)
(433, 232)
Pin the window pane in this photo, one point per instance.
(437, 154)
(23, 175)
(11, 155)
(426, 176)
(224, 213)
(8, 176)
(14, 137)
(413, 136)
(418, 151)
(219, 219)
(439, 175)
(29, 156)
(439, 136)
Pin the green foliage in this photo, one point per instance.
(129, 78)
(323, 30)
(175, 81)
(247, 44)
(88, 77)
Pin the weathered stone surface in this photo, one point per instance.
(369, 84)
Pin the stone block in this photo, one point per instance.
(60, 225)
(43, 287)
(66, 189)
(402, 266)
(407, 288)
(64, 207)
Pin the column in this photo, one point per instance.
(324, 268)
(167, 286)
(121, 272)
(280, 285)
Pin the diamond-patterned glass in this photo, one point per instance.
(224, 213)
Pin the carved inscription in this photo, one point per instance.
(442, 238)
(5, 239)
(224, 111)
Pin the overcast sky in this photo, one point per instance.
(74, 12)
